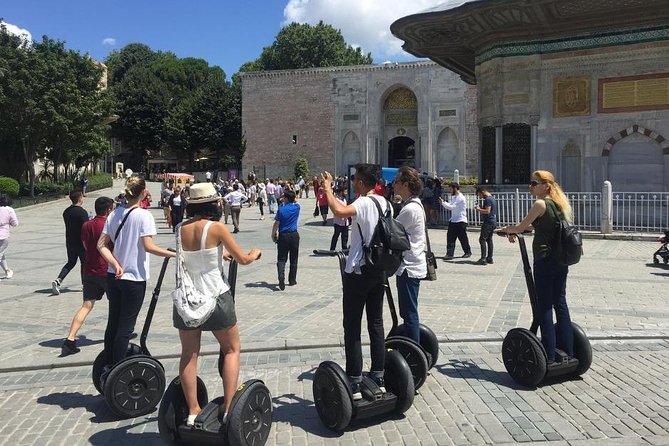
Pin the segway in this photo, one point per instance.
(523, 353)
(133, 386)
(420, 357)
(663, 251)
(334, 399)
(249, 420)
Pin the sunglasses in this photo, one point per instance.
(535, 183)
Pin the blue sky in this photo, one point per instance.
(226, 33)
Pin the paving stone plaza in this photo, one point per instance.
(615, 294)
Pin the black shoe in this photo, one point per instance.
(292, 283)
(466, 256)
(379, 382)
(355, 390)
(447, 257)
(489, 261)
(282, 285)
(235, 231)
(69, 348)
(482, 262)
(133, 335)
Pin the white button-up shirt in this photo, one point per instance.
(458, 208)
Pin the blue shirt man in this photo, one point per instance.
(285, 235)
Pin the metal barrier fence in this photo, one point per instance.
(632, 211)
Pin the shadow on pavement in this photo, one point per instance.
(120, 435)
(469, 370)
(263, 284)
(318, 222)
(301, 413)
(82, 341)
(49, 292)
(94, 404)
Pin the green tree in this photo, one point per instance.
(301, 168)
(306, 46)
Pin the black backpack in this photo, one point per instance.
(388, 243)
(567, 245)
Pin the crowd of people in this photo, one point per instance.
(114, 245)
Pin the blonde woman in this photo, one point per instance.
(550, 278)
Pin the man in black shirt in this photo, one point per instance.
(74, 216)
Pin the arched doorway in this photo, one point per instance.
(636, 164)
(401, 152)
(350, 152)
(400, 118)
(447, 153)
(570, 167)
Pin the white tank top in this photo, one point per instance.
(205, 266)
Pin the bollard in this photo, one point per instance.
(607, 208)
(456, 176)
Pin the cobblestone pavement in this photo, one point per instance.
(615, 294)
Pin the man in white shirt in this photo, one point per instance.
(271, 197)
(235, 199)
(457, 225)
(363, 286)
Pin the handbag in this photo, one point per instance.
(316, 211)
(191, 305)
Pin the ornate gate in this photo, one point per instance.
(516, 153)
(488, 155)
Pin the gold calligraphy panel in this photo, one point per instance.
(571, 96)
(634, 93)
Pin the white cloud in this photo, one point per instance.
(363, 23)
(23, 33)
(109, 41)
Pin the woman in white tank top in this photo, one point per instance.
(202, 243)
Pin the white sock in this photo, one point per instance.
(191, 420)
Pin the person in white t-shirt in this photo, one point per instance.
(235, 198)
(457, 225)
(414, 265)
(128, 269)
(363, 286)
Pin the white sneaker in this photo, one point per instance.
(9, 274)
(55, 287)
(262, 218)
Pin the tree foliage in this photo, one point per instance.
(300, 45)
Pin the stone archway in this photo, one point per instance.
(400, 125)
(447, 153)
(401, 152)
(636, 160)
(350, 151)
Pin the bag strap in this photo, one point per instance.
(376, 228)
(427, 235)
(118, 230)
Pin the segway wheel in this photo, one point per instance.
(413, 354)
(582, 350)
(250, 420)
(332, 396)
(524, 357)
(399, 381)
(428, 340)
(99, 363)
(173, 410)
(134, 386)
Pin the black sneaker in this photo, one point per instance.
(447, 257)
(355, 390)
(282, 285)
(69, 348)
(379, 382)
(489, 261)
(482, 262)
(466, 256)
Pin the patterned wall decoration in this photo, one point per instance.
(633, 93)
(401, 99)
(571, 96)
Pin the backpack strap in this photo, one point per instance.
(376, 228)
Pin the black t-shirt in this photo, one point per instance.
(74, 217)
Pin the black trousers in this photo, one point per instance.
(74, 251)
(363, 291)
(125, 301)
(343, 230)
(288, 244)
(457, 231)
(485, 240)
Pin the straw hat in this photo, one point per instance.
(203, 193)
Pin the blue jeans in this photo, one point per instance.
(407, 294)
(550, 282)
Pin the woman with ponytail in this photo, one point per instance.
(550, 278)
(125, 243)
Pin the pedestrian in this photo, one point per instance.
(316, 185)
(7, 220)
(340, 224)
(363, 286)
(306, 188)
(262, 199)
(235, 198)
(252, 194)
(177, 205)
(130, 230)
(83, 183)
(457, 224)
(95, 272)
(322, 198)
(165, 195)
(488, 224)
(413, 268)
(202, 244)
(74, 216)
(271, 196)
(550, 277)
(300, 186)
(285, 235)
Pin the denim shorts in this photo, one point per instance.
(223, 317)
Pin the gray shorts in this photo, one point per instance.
(94, 287)
(223, 317)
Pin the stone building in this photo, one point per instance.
(416, 114)
(577, 87)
